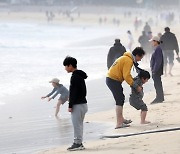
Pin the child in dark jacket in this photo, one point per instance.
(136, 97)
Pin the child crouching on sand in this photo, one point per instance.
(136, 97)
(58, 89)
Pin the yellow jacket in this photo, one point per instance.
(121, 69)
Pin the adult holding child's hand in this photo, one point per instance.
(118, 72)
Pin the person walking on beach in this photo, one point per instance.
(169, 44)
(119, 72)
(147, 28)
(135, 98)
(143, 40)
(145, 44)
(115, 52)
(58, 89)
(77, 101)
(157, 69)
(131, 40)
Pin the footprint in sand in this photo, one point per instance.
(145, 150)
(145, 145)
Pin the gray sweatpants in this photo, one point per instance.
(77, 117)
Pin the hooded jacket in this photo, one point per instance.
(77, 90)
(121, 69)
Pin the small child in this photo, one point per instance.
(136, 97)
(59, 89)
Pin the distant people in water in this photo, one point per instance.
(50, 16)
(58, 89)
(116, 51)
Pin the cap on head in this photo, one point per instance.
(155, 38)
(54, 80)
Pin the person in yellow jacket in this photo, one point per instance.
(117, 73)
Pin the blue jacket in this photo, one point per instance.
(157, 61)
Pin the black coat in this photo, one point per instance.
(169, 42)
(115, 52)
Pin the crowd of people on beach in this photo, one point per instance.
(158, 50)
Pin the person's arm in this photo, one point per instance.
(176, 46)
(128, 77)
(73, 92)
(124, 50)
(140, 40)
(109, 58)
(157, 60)
(127, 73)
(48, 95)
(57, 92)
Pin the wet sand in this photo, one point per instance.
(29, 124)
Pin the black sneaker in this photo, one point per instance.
(75, 147)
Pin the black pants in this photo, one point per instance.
(158, 87)
(117, 90)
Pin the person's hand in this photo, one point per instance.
(43, 97)
(69, 109)
(49, 99)
(139, 89)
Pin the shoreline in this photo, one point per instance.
(161, 115)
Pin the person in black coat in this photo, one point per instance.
(115, 52)
(169, 44)
(145, 44)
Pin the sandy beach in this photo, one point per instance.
(162, 116)
(29, 125)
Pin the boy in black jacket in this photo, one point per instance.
(77, 101)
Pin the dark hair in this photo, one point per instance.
(117, 40)
(167, 29)
(144, 74)
(138, 51)
(70, 61)
(129, 31)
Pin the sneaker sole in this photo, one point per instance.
(76, 149)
